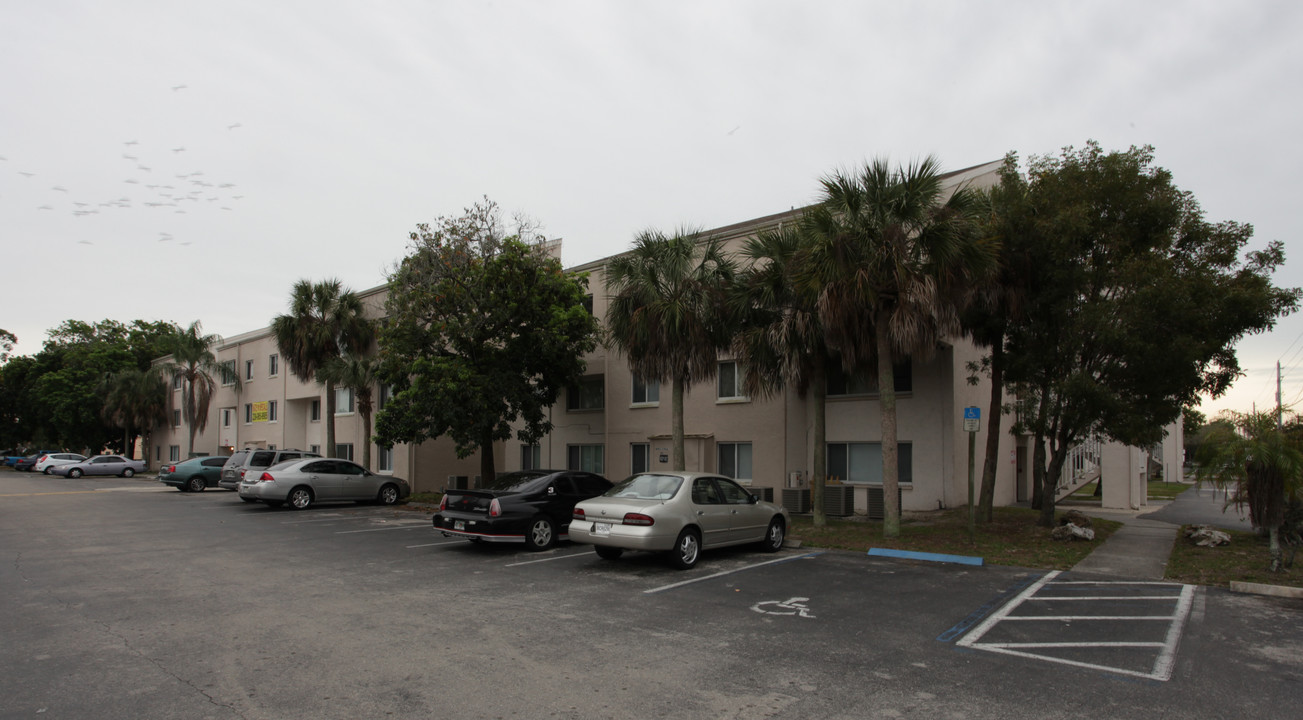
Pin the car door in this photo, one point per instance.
(108, 465)
(560, 500)
(710, 513)
(355, 483)
(212, 470)
(748, 522)
(324, 478)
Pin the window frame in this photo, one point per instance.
(735, 449)
(904, 462)
(649, 389)
(736, 374)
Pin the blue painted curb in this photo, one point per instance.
(933, 557)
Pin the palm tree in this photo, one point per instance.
(1261, 463)
(668, 312)
(325, 322)
(780, 339)
(893, 260)
(359, 374)
(134, 399)
(193, 365)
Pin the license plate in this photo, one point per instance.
(459, 525)
(601, 528)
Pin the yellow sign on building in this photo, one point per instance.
(260, 411)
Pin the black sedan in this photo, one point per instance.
(533, 507)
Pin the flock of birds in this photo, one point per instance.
(163, 188)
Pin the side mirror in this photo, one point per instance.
(753, 498)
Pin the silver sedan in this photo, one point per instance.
(100, 465)
(301, 483)
(680, 513)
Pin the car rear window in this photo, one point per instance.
(262, 458)
(647, 487)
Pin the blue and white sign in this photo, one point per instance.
(971, 417)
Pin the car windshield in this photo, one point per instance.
(647, 487)
(516, 481)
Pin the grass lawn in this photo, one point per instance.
(1012, 538)
(1157, 490)
(1245, 560)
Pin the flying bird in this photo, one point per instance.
(85, 242)
(730, 132)
(45, 207)
(60, 188)
(128, 157)
(26, 174)
(232, 127)
(131, 142)
(142, 167)
(179, 87)
(178, 149)
(226, 185)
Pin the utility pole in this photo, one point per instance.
(1279, 424)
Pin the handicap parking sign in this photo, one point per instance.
(972, 413)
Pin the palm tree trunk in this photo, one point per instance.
(331, 451)
(190, 417)
(676, 424)
(887, 399)
(987, 497)
(1277, 557)
(366, 440)
(819, 393)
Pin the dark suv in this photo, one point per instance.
(244, 461)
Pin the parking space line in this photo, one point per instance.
(558, 557)
(435, 544)
(395, 527)
(671, 586)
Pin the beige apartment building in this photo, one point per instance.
(616, 424)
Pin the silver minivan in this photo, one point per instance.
(251, 459)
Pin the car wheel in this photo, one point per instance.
(541, 534)
(608, 553)
(300, 498)
(46, 471)
(128, 473)
(196, 484)
(773, 541)
(74, 473)
(687, 549)
(388, 495)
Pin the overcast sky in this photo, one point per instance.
(190, 161)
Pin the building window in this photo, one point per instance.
(344, 450)
(173, 453)
(314, 411)
(176, 418)
(641, 457)
(248, 369)
(730, 381)
(226, 417)
(343, 401)
(866, 383)
(314, 449)
(176, 382)
(589, 394)
(735, 460)
(271, 411)
(228, 372)
(862, 462)
(588, 304)
(385, 459)
(158, 453)
(382, 399)
(589, 458)
(646, 392)
(248, 413)
(531, 457)
(273, 365)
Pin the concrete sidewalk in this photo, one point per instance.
(1136, 551)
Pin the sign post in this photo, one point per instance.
(972, 419)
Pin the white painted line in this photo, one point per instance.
(446, 542)
(971, 638)
(558, 557)
(1166, 660)
(1075, 645)
(1075, 618)
(1105, 597)
(395, 527)
(728, 572)
(331, 518)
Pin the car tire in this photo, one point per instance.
(46, 471)
(128, 473)
(388, 494)
(74, 473)
(687, 549)
(606, 552)
(774, 536)
(300, 498)
(195, 484)
(541, 533)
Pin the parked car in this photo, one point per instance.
(679, 513)
(193, 475)
(49, 460)
(253, 460)
(302, 483)
(25, 464)
(101, 465)
(530, 506)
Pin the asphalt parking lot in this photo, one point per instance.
(124, 599)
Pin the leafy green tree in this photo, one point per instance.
(17, 399)
(358, 374)
(193, 365)
(325, 322)
(781, 341)
(894, 259)
(482, 330)
(7, 342)
(1261, 464)
(1135, 306)
(135, 399)
(669, 312)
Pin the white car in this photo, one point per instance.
(45, 462)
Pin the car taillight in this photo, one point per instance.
(579, 514)
(41, 459)
(638, 519)
(169, 469)
(266, 477)
(443, 503)
(242, 471)
(495, 508)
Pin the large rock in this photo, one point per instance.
(1069, 532)
(1075, 517)
(1207, 536)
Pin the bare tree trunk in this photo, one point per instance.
(993, 414)
(819, 391)
(676, 425)
(890, 460)
(1277, 557)
(1058, 457)
(330, 449)
(366, 440)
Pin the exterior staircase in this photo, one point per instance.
(1081, 468)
